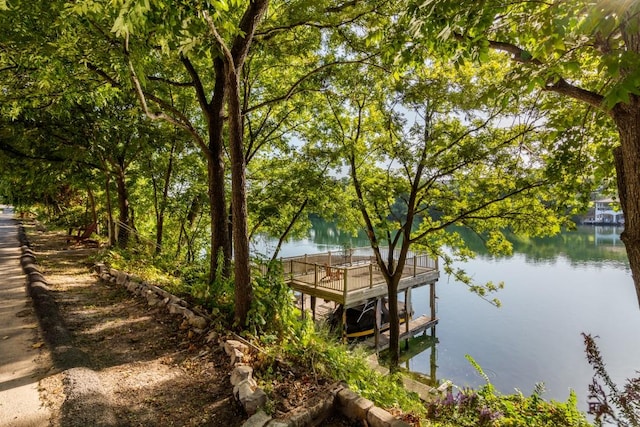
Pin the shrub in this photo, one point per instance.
(610, 404)
(486, 407)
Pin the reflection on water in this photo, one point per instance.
(586, 244)
(556, 288)
(324, 236)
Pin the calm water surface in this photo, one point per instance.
(555, 289)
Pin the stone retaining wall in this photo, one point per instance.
(156, 297)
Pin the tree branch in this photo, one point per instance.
(561, 86)
(170, 82)
(179, 120)
(248, 25)
(469, 213)
(292, 89)
(197, 82)
(558, 85)
(271, 32)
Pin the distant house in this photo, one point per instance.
(604, 211)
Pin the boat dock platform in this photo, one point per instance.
(407, 330)
(352, 277)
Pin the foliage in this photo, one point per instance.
(569, 52)
(486, 407)
(322, 354)
(610, 404)
(132, 262)
(417, 166)
(272, 314)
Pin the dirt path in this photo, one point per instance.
(141, 368)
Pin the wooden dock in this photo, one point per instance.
(416, 326)
(352, 277)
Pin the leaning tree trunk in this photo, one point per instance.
(627, 160)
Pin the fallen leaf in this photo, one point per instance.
(6, 337)
(38, 344)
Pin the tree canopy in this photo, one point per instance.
(194, 122)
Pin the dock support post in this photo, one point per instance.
(313, 308)
(432, 299)
(344, 324)
(302, 297)
(433, 356)
(345, 290)
(407, 315)
(377, 324)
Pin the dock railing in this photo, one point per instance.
(349, 270)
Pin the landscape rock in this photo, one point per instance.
(244, 388)
(378, 417)
(176, 309)
(241, 373)
(352, 405)
(231, 345)
(254, 401)
(237, 357)
(212, 337)
(121, 278)
(259, 419)
(299, 417)
(198, 322)
(152, 301)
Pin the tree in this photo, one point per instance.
(584, 50)
(417, 167)
(200, 53)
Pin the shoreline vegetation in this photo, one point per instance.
(276, 327)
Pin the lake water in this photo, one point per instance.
(555, 288)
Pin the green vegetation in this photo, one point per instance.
(287, 341)
(186, 130)
(610, 403)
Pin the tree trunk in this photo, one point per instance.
(394, 323)
(627, 161)
(220, 242)
(186, 228)
(242, 271)
(94, 213)
(285, 235)
(161, 205)
(112, 236)
(123, 207)
(227, 69)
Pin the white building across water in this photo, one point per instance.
(605, 211)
